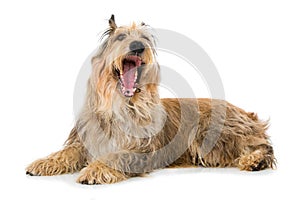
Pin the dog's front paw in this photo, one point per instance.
(98, 173)
(46, 167)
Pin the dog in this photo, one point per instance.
(125, 130)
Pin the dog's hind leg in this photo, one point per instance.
(69, 160)
(250, 140)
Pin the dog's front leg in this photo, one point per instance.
(114, 167)
(69, 160)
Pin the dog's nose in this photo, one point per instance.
(137, 47)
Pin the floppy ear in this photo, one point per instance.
(112, 23)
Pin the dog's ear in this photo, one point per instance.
(112, 27)
(112, 23)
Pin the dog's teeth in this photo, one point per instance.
(135, 75)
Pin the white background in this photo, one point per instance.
(255, 46)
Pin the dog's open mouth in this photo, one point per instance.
(129, 75)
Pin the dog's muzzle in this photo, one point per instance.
(130, 72)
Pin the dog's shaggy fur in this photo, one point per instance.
(126, 130)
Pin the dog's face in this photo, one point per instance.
(125, 70)
(135, 54)
(131, 56)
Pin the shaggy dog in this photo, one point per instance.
(126, 130)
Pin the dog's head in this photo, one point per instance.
(132, 55)
(125, 64)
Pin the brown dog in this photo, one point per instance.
(126, 130)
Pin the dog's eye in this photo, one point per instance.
(121, 37)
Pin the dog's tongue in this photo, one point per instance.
(129, 74)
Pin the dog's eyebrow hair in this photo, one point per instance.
(145, 37)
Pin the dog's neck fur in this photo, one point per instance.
(128, 120)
